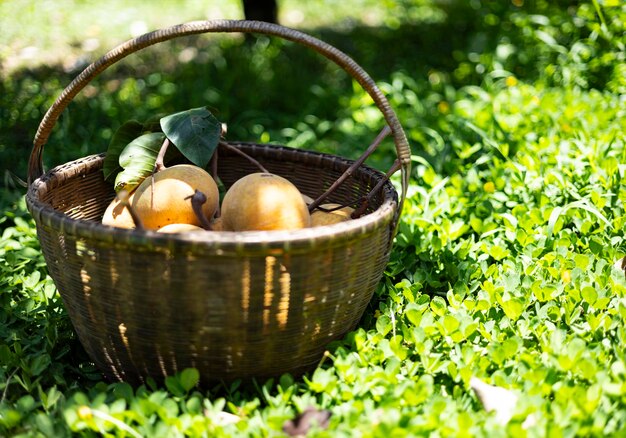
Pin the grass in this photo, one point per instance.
(503, 267)
(48, 31)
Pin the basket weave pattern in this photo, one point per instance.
(152, 307)
(233, 305)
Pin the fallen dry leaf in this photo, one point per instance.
(301, 424)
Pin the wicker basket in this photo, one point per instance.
(233, 305)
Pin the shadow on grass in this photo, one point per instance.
(259, 88)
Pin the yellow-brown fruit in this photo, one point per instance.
(263, 202)
(179, 228)
(168, 200)
(217, 224)
(117, 215)
(320, 217)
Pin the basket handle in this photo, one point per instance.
(35, 164)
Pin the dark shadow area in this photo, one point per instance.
(266, 88)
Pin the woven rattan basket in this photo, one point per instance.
(232, 305)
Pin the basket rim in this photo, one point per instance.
(226, 241)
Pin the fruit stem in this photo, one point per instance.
(197, 200)
(379, 138)
(361, 208)
(243, 154)
(213, 168)
(123, 196)
(159, 164)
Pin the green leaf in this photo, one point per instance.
(498, 252)
(45, 424)
(321, 380)
(32, 280)
(10, 418)
(285, 381)
(6, 356)
(513, 308)
(414, 313)
(189, 378)
(137, 159)
(589, 294)
(122, 137)
(195, 132)
(450, 324)
(123, 390)
(383, 325)
(397, 348)
(438, 305)
(173, 385)
(194, 405)
(49, 399)
(39, 364)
